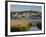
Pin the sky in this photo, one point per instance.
(14, 8)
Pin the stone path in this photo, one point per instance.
(34, 29)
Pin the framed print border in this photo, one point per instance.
(6, 18)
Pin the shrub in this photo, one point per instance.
(20, 25)
(39, 25)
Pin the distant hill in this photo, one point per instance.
(28, 11)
